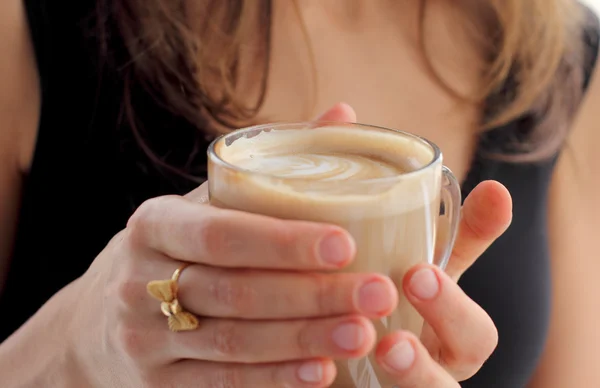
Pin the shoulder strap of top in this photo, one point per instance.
(496, 140)
(503, 138)
(591, 39)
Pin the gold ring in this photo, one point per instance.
(166, 292)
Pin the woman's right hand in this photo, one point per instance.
(269, 311)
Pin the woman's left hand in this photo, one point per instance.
(459, 335)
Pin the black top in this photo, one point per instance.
(88, 176)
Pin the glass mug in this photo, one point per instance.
(387, 188)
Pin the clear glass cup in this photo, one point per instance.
(397, 221)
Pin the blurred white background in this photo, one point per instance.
(594, 3)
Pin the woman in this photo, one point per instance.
(502, 87)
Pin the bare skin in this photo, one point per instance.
(63, 363)
(379, 43)
(19, 114)
(571, 357)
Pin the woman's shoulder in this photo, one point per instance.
(19, 84)
(19, 115)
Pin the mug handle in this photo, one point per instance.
(449, 217)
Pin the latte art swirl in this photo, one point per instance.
(321, 167)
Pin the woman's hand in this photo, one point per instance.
(268, 313)
(458, 336)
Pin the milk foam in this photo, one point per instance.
(321, 167)
(342, 170)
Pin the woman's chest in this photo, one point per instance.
(381, 74)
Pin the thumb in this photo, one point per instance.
(339, 112)
(486, 214)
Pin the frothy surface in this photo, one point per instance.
(321, 166)
(328, 153)
(341, 172)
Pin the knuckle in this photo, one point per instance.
(468, 361)
(283, 235)
(125, 288)
(232, 295)
(476, 355)
(130, 292)
(285, 239)
(478, 229)
(324, 295)
(488, 344)
(226, 342)
(305, 340)
(276, 377)
(227, 377)
(142, 214)
(146, 216)
(293, 242)
(213, 235)
(131, 342)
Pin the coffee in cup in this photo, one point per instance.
(387, 188)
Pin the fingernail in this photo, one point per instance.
(401, 356)
(349, 336)
(374, 298)
(424, 284)
(335, 249)
(311, 372)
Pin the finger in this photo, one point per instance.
(403, 356)
(234, 341)
(187, 231)
(146, 339)
(187, 373)
(339, 112)
(250, 294)
(486, 214)
(465, 332)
